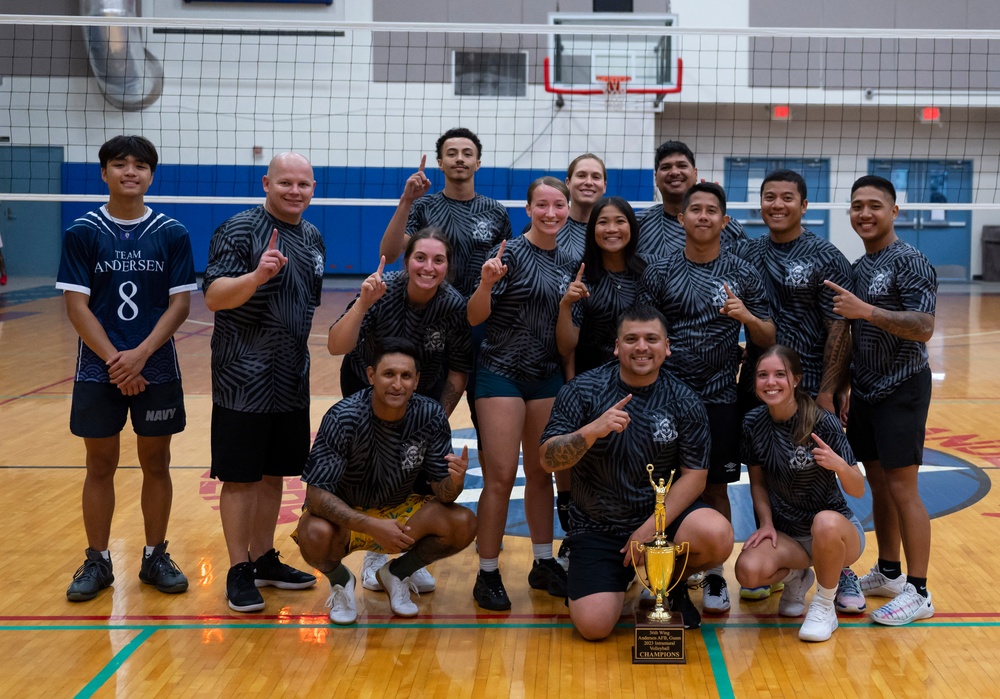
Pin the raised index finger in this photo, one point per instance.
(621, 404)
(273, 245)
(819, 441)
(381, 266)
(833, 286)
(729, 292)
(503, 246)
(423, 161)
(579, 274)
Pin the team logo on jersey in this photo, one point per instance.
(719, 298)
(434, 341)
(802, 458)
(664, 431)
(879, 285)
(413, 455)
(483, 230)
(318, 263)
(564, 284)
(797, 274)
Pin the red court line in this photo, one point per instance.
(32, 392)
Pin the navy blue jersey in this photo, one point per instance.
(896, 278)
(801, 305)
(661, 234)
(473, 227)
(129, 269)
(610, 484)
(797, 487)
(439, 329)
(597, 316)
(260, 356)
(368, 462)
(520, 339)
(704, 343)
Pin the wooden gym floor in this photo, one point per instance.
(133, 641)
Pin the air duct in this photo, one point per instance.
(130, 77)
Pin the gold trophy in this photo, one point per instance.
(659, 634)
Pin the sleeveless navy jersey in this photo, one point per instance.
(520, 339)
(798, 488)
(439, 329)
(896, 278)
(610, 484)
(368, 462)
(129, 269)
(801, 305)
(260, 357)
(661, 234)
(473, 227)
(704, 343)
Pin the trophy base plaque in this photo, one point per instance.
(659, 642)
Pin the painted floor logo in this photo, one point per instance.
(947, 484)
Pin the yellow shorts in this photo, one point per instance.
(401, 512)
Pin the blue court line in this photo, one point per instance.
(717, 660)
(116, 662)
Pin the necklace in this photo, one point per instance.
(126, 232)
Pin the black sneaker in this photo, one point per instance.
(269, 570)
(547, 574)
(562, 558)
(489, 592)
(157, 569)
(240, 590)
(93, 576)
(681, 602)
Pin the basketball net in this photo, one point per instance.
(615, 91)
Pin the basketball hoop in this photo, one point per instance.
(614, 90)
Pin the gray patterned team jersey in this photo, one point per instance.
(260, 357)
(597, 316)
(661, 234)
(473, 227)
(368, 462)
(896, 278)
(439, 329)
(793, 275)
(610, 484)
(572, 238)
(797, 487)
(704, 343)
(520, 339)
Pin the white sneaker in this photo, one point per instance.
(849, 598)
(793, 597)
(399, 592)
(821, 620)
(373, 561)
(716, 597)
(343, 608)
(875, 584)
(907, 606)
(423, 580)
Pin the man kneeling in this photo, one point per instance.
(606, 425)
(370, 451)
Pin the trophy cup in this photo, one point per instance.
(659, 634)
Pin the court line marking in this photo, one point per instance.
(717, 661)
(109, 670)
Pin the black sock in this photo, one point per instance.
(919, 583)
(890, 569)
(339, 575)
(406, 565)
(562, 508)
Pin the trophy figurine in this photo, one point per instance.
(659, 634)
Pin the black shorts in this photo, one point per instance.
(99, 410)
(595, 564)
(724, 460)
(248, 446)
(892, 430)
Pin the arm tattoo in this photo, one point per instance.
(447, 491)
(450, 396)
(325, 504)
(836, 356)
(909, 325)
(564, 451)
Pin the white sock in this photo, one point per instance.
(541, 551)
(106, 554)
(826, 593)
(148, 551)
(488, 565)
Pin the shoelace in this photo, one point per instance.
(714, 584)
(404, 589)
(818, 612)
(493, 583)
(850, 585)
(338, 599)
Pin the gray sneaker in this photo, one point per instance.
(793, 597)
(875, 584)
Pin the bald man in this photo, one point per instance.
(263, 281)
